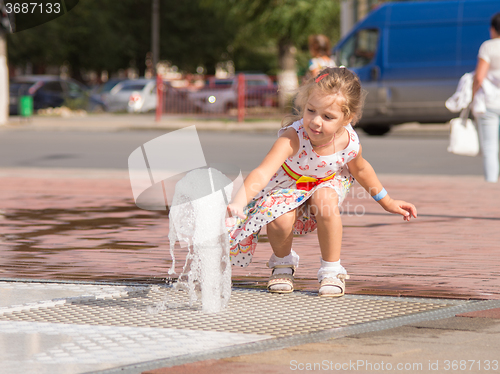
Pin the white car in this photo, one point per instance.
(141, 90)
(144, 100)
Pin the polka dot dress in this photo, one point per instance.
(281, 195)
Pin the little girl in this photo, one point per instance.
(302, 181)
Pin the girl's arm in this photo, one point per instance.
(363, 172)
(481, 71)
(285, 146)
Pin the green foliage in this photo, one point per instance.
(258, 58)
(192, 35)
(75, 104)
(96, 34)
(265, 22)
(292, 19)
(111, 35)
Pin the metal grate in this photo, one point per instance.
(248, 312)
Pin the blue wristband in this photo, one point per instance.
(380, 195)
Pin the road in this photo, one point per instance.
(396, 153)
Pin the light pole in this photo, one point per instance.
(155, 33)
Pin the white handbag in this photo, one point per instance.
(463, 137)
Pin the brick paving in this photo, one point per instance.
(489, 313)
(222, 367)
(84, 225)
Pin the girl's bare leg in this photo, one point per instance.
(324, 205)
(280, 233)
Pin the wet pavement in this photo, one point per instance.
(83, 284)
(83, 225)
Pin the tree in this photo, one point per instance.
(287, 22)
(94, 35)
(192, 35)
(99, 35)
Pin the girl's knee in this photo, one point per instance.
(324, 203)
(283, 222)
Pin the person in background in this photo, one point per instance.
(488, 73)
(319, 47)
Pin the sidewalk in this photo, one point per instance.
(53, 218)
(454, 344)
(109, 121)
(63, 328)
(77, 225)
(83, 286)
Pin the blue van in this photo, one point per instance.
(411, 55)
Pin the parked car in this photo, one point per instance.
(51, 92)
(221, 95)
(118, 98)
(101, 92)
(411, 55)
(145, 100)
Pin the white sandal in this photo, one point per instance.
(281, 283)
(330, 286)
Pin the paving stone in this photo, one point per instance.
(77, 226)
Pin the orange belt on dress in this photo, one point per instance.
(303, 182)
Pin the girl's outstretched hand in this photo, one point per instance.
(235, 210)
(407, 210)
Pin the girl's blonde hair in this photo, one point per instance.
(331, 81)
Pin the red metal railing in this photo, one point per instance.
(159, 97)
(240, 97)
